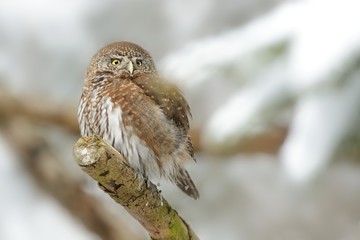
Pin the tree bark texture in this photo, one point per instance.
(115, 177)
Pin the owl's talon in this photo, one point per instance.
(148, 183)
(140, 183)
(139, 187)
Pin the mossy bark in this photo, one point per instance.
(115, 177)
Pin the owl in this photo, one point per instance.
(127, 104)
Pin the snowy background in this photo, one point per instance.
(274, 88)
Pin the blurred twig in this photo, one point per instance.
(39, 110)
(55, 179)
(108, 167)
(268, 141)
(45, 111)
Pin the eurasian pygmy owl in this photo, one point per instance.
(125, 102)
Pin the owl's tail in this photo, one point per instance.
(184, 182)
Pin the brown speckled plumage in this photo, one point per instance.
(145, 118)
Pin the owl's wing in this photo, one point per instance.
(170, 100)
(168, 97)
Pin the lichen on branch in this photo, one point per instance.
(115, 177)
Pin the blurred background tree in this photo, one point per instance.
(274, 89)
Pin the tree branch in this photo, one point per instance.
(106, 166)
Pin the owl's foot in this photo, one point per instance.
(141, 180)
(148, 183)
(154, 190)
(159, 191)
(151, 187)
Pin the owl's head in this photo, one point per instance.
(122, 58)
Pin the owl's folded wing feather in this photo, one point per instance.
(168, 97)
(171, 101)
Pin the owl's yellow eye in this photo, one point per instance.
(139, 62)
(115, 61)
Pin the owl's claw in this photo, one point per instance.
(141, 180)
(148, 183)
(139, 185)
(152, 188)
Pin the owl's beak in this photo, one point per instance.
(130, 67)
